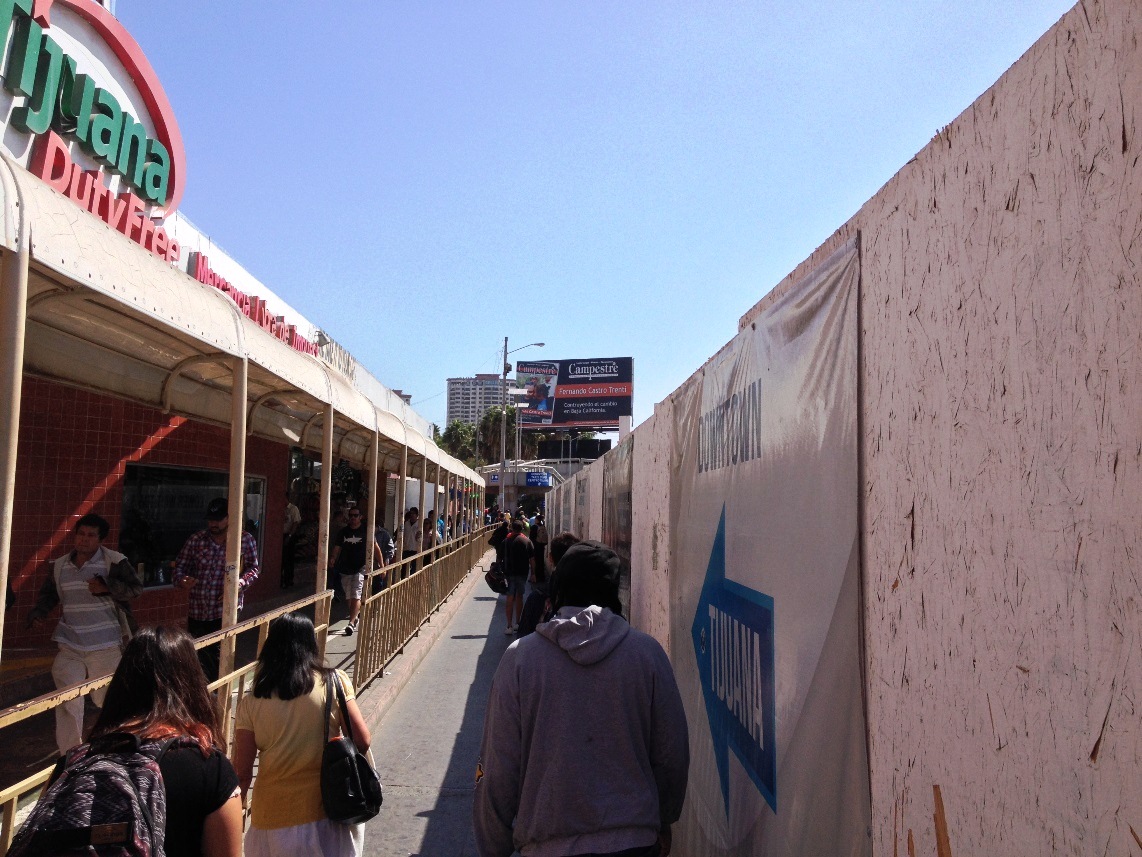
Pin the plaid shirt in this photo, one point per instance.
(204, 560)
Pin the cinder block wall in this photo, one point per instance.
(1001, 461)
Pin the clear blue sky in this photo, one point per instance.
(613, 178)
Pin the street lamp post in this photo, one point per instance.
(504, 429)
(504, 419)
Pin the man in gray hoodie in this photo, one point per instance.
(585, 748)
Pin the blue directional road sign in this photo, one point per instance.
(733, 642)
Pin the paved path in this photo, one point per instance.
(428, 739)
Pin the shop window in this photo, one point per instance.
(163, 506)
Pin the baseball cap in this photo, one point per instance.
(218, 509)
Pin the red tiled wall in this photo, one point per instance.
(73, 450)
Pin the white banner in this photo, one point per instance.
(766, 600)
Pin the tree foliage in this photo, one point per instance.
(459, 440)
(478, 445)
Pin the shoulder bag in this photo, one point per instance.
(495, 577)
(350, 787)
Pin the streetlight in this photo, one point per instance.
(504, 418)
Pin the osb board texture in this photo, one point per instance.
(594, 476)
(1002, 461)
(650, 547)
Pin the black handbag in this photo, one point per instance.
(350, 787)
(496, 579)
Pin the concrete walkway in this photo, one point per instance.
(427, 737)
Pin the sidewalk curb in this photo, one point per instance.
(380, 694)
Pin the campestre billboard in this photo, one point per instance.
(575, 393)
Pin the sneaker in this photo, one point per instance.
(509, 630)
(349, 629)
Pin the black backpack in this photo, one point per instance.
(108, 798)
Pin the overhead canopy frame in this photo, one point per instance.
(106, 315)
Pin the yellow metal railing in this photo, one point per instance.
(230, 688)
(391, 617)
(388, 620)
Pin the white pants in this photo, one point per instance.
(72, 667)
(325, 837)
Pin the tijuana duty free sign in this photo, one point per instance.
(62, 88)
(58, 101)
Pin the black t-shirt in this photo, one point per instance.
(196, 786)
(519, 553)
(352, 543)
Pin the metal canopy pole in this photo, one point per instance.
(324, 516)
(236, 508)
(13, 323)
(452, 503)
(423, 488)
(402, 496)
(371, 531)
(504, 429)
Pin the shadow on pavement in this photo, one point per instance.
(449, 823)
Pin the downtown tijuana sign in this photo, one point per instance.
(89, 145)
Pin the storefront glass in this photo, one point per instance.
(163, 506)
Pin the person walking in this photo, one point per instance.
(159, 692)
(499, 537)
(201, 568)
(537, 607)
(518, 551)
(585, 747)
(348, 560)
(539, 539)
(282, 724)
(386, 547)
(410, 538)
(429, 539)
(291, 529)
(94, 587)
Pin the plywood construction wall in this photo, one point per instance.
(1001, 462)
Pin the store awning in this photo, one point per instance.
(106, 315)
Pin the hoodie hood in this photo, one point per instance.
(586, 634)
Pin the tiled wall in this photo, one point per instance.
(73, 450)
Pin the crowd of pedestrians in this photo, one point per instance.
(578, 692)
(585, 748)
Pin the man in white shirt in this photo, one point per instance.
(94, 587)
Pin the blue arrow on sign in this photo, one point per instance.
(733, 642)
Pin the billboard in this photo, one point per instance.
(587, 394)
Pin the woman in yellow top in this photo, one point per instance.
(284, 721)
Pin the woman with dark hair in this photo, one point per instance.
(283, 720)
(158, 692)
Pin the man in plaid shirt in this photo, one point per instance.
(201, 568)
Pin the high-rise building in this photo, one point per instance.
(468, 398)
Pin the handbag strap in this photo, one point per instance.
(333, 687)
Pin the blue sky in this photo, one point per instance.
(612, 178)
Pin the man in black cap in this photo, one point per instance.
(586, 713)
(201, 568)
